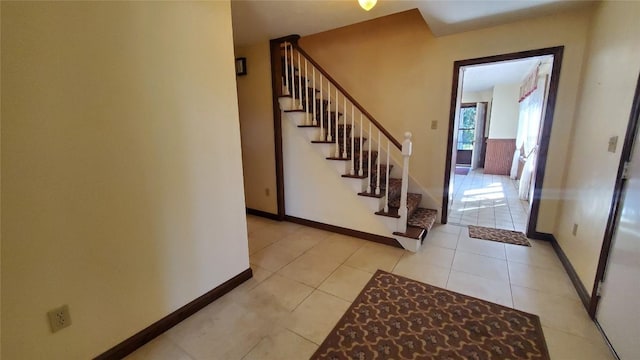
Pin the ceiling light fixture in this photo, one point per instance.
(367, 4)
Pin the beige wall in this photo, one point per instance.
(505, 111)
(122, 180)
(402, 74)
(256, 127)
(610, 75)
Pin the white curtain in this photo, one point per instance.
(531, 111)
(522, 121)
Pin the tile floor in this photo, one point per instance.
(304, 280)
(488, 200)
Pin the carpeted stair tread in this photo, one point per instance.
(365, 174)
(413, 201)
(423, 218)
(393, 212)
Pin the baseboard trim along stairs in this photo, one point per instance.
(359, 148)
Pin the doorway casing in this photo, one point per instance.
(545, 135)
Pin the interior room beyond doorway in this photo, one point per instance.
(497, 134)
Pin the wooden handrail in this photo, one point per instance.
(353, 101)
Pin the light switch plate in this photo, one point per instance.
(613, 143)
(434, 124)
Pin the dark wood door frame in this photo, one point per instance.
(545, 133)
(632, 130)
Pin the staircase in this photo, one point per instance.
(351, 137)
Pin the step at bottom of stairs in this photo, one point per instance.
(419, 224)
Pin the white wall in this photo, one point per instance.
(256, 127)
(316, 191)
(505, 111)
(610, 75)
(477, 96)
(122, 181)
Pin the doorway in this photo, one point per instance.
(500, 150)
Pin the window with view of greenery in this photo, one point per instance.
(466, 130)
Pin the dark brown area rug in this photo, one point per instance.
(501, 235)
(399, 318)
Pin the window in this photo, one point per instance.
(467, 128)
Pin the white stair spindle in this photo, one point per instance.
(286, 70)
(406, 153)
(369, 161)
(315, 113)
(306, 96)
(337, 154)
(360, 170)
(353, 140)
(293, 78)
(378, 166)
(300, 83)
(386, 185)
(329, 136)
(344, 140)
(321, 137)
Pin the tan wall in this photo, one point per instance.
(610, 75)
(402, 75)
(122, 180)
(256, 127)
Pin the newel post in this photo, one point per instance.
(406, 153)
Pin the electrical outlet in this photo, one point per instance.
(434, 124)
(59, 318)
(267, 192)
(574, 231)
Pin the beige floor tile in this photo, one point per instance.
(538, 254)
(480, 265)
(496, 291)
(285, 292)
(255, 223)
(481, 247)
(259, 275)
(436, 256)
(553, 281)
(316, 316)
(556, 311)
(258, 244)
(372, 257)
(310, 269)
(337, 247)
(301, 241)
(442, 239)
(274, 257)
(565, 346)
(160, 348)
(415, 267)
(227, 334)
(447, 228)
(346, 282)
(282, 344)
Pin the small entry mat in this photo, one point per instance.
(501, 235)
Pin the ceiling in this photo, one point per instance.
(260, 20)
(486, 76)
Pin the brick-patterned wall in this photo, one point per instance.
(499, 155)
